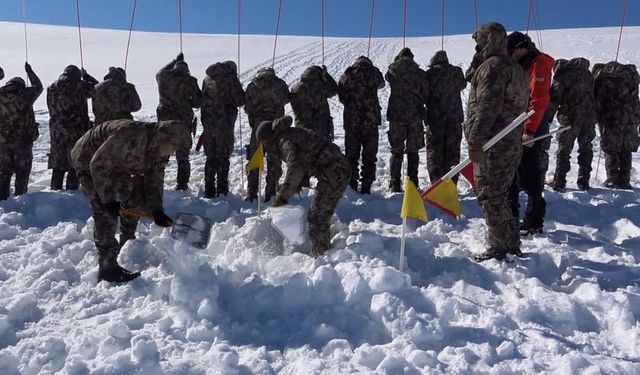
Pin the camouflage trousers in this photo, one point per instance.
(618, 141)
(618, 166)
(105, 223)
(443, 148)
(362, 140)
(15, 160)
(57, 179)
(218, 147)
(274, 169)
(405, 137)
(494, 177)
(584, 133)
(182, 153)
(332, 182)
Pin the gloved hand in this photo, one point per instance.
(324, 69)
(279, 201)
(27, 67)
(113, 208)
(526, 137)
(475, 153)
(180, 57)
(161, 219)
(83, 72)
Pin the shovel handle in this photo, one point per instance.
(132, 212)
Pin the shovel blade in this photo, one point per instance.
(192, 229)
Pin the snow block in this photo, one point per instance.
(290, 222)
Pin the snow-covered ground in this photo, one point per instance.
(249, 304)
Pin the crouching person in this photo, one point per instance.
(308, 154)
(110, 160)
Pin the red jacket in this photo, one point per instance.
(539, 72)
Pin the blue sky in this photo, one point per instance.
(302, 17)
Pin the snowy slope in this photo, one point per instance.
(251, 304)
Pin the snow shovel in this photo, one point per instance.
(190, 228)
(290, 222)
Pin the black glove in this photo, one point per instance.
(161, 219)
(27, 67)
(180, 57)
(113, 208)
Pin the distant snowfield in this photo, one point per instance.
(251, 304)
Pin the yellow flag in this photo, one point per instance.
(412, 205)
(257, 160)
(444, 195)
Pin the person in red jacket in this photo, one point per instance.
(530, 177)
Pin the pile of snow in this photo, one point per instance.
(252, 302)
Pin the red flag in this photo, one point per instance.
(467, 172)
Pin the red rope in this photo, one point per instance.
(79, 33)
(443, 11)
(475, 10)
(133, 15)
(373, 12)
(529, 15)
(180, 17)
(275, 42)
(624, 13)
(322, 27)
(404, 26)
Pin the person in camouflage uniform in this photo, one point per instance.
(179, 94)
(115, 98)
(309, 100)
(1, 73)
(358, 91)
(616, 93)
(499, 93)
(266, 96)
(107, 158)
(69, 120)
(572, 98)
(307, 153)
(222, 94)
(405, 113)
(18, 131)
(444, 115)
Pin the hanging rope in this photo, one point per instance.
(133, 15)
(180, 17)
(536, 13)
(322, 27)
(275, 42)
(624, 13)
(404, 25)
(24, 21)
(79, 33)
(442, 34)
(475, 11)
(529, 15)
(240, 130)
(373, 12)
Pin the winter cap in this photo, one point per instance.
(517, 40)
(16, 81)
(73, 72)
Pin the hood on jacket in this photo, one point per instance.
(404, 53)
(312, 73)
(117, 74)
(559, 65)
(363, 61)
(16, 83)
(268, 129)
(491, 40)
(181, 67)
(222, 68)
(597, 69)
(580, 62)
(263, 75)
(440, 58)
(72, 73)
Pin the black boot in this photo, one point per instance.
(223, 176)
(366, 187)
(353, 183)
(559, 182)
(183, 176)
(413, 162)
(395, 169)
(491, 253)
(57, 177)
(72, 180)
(5, 185)
(109, 269)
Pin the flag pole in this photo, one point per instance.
(549, 134)
(259, 190)
(402, 243)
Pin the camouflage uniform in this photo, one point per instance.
(498, 94)
(222, 94)
(1, 73)
(358, 91)
(18, 131)
(266, 96)
(307, 153)
(179, 93)
(69, 112)
(616, 93)
(573, 99)
(115, 98)
(444, 115)
(405, 113)
(309, 100)
(107, 158)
